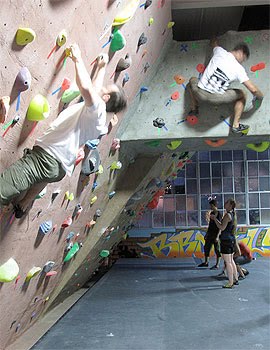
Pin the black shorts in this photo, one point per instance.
(227, 247)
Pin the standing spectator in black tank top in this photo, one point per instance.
(227, 240)
(211, 236)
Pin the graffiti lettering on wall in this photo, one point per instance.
(187, 243)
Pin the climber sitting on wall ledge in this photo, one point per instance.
(224, 68)
(54, 153)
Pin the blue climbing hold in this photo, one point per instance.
(45, 227)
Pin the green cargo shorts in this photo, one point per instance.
(34, 167)
(229, 96)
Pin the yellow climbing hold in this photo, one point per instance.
(170, 24)
(38, 109)
(71, 197)
(174, 144)
(127, 13)
(61, 38)
(151, 21)
(32, 273)
(93, 200)
(9, 271)
(100, 169)
(259, 147)
(25, 36)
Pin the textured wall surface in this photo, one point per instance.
(88, 23)
(182, 59)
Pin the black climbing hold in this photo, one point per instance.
(159, 123)
(142, 40)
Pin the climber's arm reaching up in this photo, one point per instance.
(99, 75)
(83, 79)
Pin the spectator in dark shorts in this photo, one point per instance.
(211, 237)
(213, 86)
(227, 225)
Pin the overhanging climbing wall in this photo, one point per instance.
(166, 97)
(36, 270)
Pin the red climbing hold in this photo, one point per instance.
(258, 66)
(175, 96)
(200, 68)
(67, 222)
(192, 119)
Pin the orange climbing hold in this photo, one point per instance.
(215, 143)
(179, 79)
(192, 119)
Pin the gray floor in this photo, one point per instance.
(167, 304)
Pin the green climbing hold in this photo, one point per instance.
(174, 144)
(38, 109)
(104, 253)
(9, 271)
(259, 147)
(69, 95)
(118, 41)
(154, 143)
(25, 36)
(72, 252)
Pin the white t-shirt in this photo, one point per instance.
(222, 69)
(73, 127)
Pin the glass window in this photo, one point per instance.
(193, 218)
(238, 169)
(215, 155)
(205, 186)
(265, 201)
(191, 186)
(216, 170)
(254, 200)
(227, 185)
(158, 219)
(239, 184)
(227, 170)
(204, 202)
(180, 202)
(265, 215)
(191, 170)
(264, 169)
(264, 184)
(264, 155)
(226, 155)
(181, 219)
(251, 155)
(253, 184)
(192, 203)
(169, 204)
(216, 185)
(204, 170)
(204, 156)
(146, 220)
(241, 217)
(240, 201)
(170, 219)
(254, 217)
(203, 217)
(252, 169)
(238, 155)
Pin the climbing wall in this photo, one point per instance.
(73, 225)
(167, 98)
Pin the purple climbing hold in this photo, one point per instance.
(23, 80)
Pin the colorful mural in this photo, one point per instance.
(188, 243)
